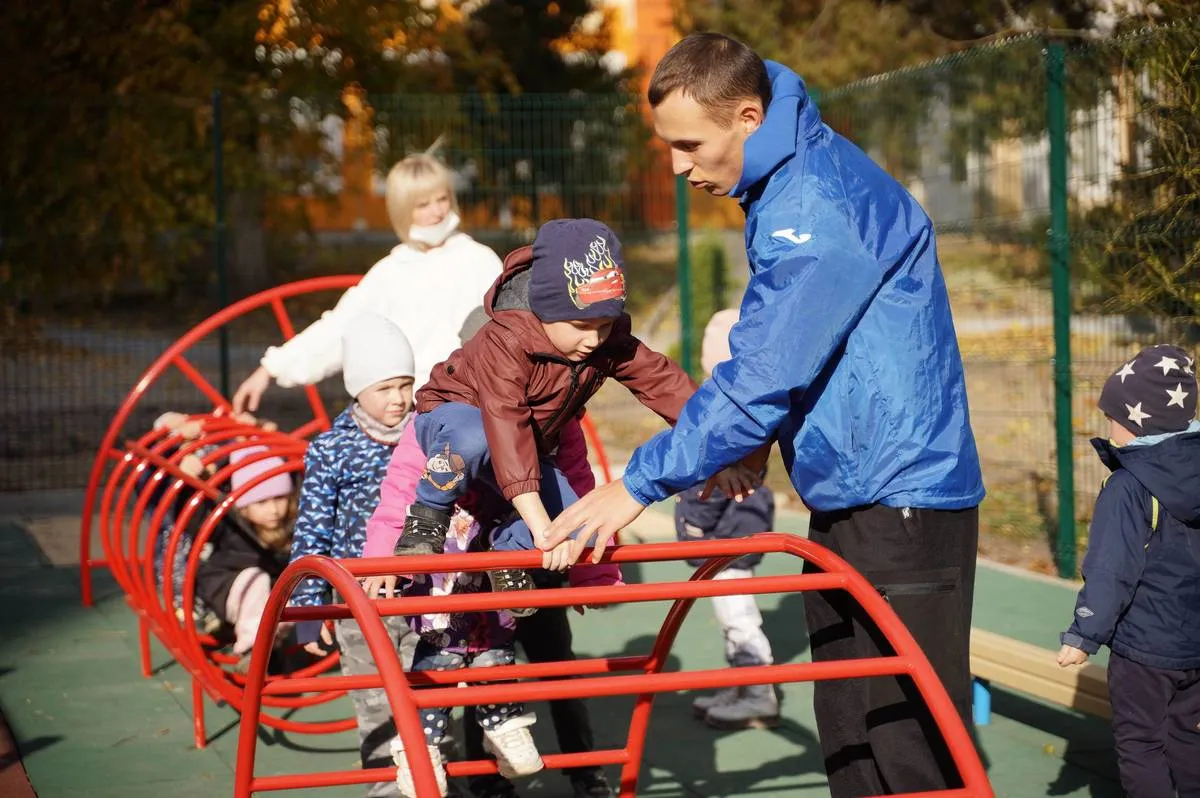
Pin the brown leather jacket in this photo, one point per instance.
(526, 390)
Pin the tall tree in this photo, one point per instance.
(1143, 250)
(833, 42)
(107, 148)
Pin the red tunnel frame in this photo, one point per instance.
(835, 574)
(124, 482)
(150, 471)
(174, 356)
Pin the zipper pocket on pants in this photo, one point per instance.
(916, 588)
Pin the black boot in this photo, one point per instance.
(425, 531)
(510, 580)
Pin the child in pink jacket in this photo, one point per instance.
(450, 641)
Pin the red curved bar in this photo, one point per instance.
(172, 357)
(154, 461)
(383, 652)
(596, 446)
(597, 674)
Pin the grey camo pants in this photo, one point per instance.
(376, 727)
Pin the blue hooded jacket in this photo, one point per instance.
(1141, 593)
(845, 351)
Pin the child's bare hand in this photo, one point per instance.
(191, 430)
(372, 586)
(319, 648)
(558, 558)
(737, 482)
(191, 465)
(1069, 655)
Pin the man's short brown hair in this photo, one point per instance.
(714, 70)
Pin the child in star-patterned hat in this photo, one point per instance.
(1141, 593)
(1153, 394)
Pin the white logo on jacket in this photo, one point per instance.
(789, 234)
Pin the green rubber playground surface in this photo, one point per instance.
(87, 724)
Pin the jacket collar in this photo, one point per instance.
(791, 118)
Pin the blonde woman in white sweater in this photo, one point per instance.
(427, 286)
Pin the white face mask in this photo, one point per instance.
(434, 235)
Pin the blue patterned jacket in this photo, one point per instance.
(343, 469)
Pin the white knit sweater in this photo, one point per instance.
(428, 295)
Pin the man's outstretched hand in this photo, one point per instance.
(600, 514)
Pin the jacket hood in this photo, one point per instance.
(511, 289)
(1170, 470)
(507, 301)
(792, 117)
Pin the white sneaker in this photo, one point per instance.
(512, 745)
(404, 776)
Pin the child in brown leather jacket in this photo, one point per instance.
(491, 415)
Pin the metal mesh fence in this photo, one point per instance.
(971, 136)
(170, 208)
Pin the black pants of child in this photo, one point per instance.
(544, 636)
(877, 735)
(1155, 712)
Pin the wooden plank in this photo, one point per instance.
(1032, 669)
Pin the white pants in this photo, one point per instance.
(245, 605)
(741, 623)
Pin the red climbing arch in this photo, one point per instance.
(138, 487)
(595, 677)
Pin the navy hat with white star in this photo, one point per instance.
(1153, 393)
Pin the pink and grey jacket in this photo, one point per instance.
(398, 491)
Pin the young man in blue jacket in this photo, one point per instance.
(846, 355)
(1141, 593)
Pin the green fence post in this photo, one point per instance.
(1060, 269)
(717, 278)
(683, 274)
(219, 238)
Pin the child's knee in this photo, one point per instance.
(514, 536)
(438, 661)
(494, 657)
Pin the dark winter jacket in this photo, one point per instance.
(235, 548)
(1141, 595)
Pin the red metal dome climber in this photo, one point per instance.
(139, 487)
(594, 677)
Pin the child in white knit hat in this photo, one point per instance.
(343, 469)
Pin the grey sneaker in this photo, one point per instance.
(704, 703)
(756, 708)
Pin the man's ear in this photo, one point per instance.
(749, 116)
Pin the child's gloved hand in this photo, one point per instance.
(1069, 655)
(737, 482)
